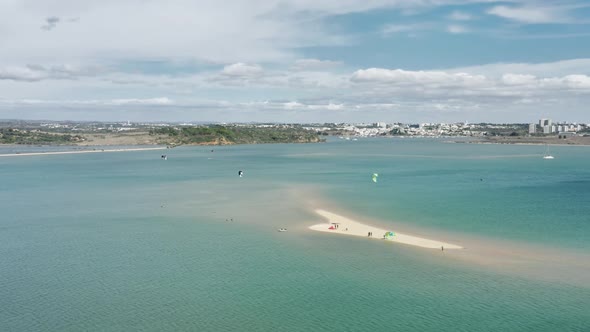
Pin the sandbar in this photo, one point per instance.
(348, 226)
(80, 151)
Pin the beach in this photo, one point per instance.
(348, 226)
(80, 151)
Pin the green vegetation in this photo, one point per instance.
(19, 136)
(235, 135)
(512, 130)
(166, 135)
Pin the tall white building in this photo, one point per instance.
(547, 126)
(545, 122)
(532, 128)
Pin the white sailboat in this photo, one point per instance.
(547, 155)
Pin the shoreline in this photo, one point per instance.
(354, 228)
(530, 140)
(517, 143)
(16, 154)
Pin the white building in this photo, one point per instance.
(545, 122)
(532, 128)
(546, 130)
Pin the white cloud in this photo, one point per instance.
(405, 77)
(435, 93)
(242, 70)
(34, 73)
(518, 79)
(412, 29)
(471, 93)
(306, 75)
(577, 81)
(328, 107)
(231, 31)
(537, 14)
(247, 50)
(544, 69)
(392, 29)
(456, 29)
(372, 89)
(314, 64)
(335, 107)
(135, 101)
(21, 74)
(292, 105)
(472, 90)
(93, 102)
(460, 16)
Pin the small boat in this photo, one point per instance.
(282, 229)
(547, 155)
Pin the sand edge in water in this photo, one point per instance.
(16, 154)
(351, 227)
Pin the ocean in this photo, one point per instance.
(127, 241)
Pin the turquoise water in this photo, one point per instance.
(125, 241)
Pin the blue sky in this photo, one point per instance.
(295, 61)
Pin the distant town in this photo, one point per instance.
(464, 129)
(133, 133)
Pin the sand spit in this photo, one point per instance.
(351, 227)
(81, 151)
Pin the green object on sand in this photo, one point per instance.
(388, 235)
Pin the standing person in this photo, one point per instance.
(442, 248)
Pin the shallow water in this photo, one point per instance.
(126, 241)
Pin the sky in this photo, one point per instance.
(294, 61)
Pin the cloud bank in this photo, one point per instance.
(280, 60)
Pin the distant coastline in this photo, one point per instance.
(19, 154)
(569, 141)
(157, 135)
